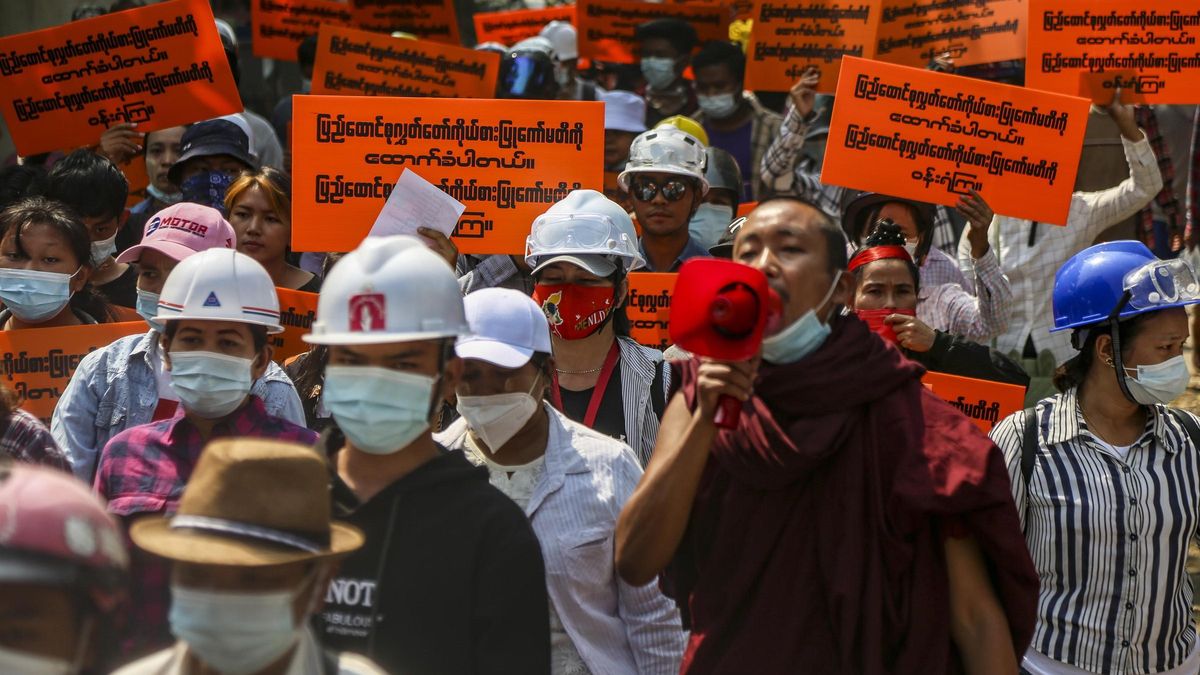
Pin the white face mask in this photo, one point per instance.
(1160, 383)
(101, 250)
(497, 418)
(208, 384)
(24, 663)
(562, 75)
(380, 410)
(238, 633)
(718, 107)
(659, 71)
(710, 223)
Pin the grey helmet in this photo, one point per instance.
(722, 171)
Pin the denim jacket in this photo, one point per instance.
(115, 388)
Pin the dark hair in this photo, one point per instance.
(719, 53)
(20, 181)
(1074, 372)
(678, 32)
(888, 233)
(90, 185)
(257, 333)
(920, 216)
(122, 5)
(146, 139)
(42, 211)
(835, 239)
(306, 51)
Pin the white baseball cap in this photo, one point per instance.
(623, 111)
(507, 327)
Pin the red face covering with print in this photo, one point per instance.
(574, 312)
(874, 318)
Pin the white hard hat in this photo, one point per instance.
(584, 223)
(389, 289)
(562, 35)
(666, 150)
(220, 284)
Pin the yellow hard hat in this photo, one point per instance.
(685, 124)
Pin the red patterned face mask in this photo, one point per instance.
(874, 320)
(574, 312)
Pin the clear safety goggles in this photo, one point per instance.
(1162, 283)
(578, 233)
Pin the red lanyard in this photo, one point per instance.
(606, 371)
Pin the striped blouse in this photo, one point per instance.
(1109, 538)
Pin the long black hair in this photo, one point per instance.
(1074, 372)
(921, 217)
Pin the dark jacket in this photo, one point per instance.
(449, 582)
(956, 355)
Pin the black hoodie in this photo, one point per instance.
(450, 580)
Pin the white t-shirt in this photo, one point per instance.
(1121, 451)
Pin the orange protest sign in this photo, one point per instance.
(745, 208)
(983, 401)
(507, 161)
(606, 27)
(37, 363)
(932, 137)
(360, 63)
(279, 26)
(788, 37)
(297, 309)
(159, 66)
(509, 28)
(971, 31)
(1149, 50)
(649, 308)
(427, 19)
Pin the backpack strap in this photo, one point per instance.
(1189, 425)
(1029, 445)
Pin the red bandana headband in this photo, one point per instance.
(870, 255)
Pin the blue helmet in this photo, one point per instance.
(1096, 282)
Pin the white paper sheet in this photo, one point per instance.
(415, 202)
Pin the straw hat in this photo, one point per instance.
(251, 502)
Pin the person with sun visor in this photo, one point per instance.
(1104, 474)
(581, 252)
(665, 177)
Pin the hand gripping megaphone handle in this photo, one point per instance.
(729, 409)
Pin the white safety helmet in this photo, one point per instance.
(563, 37)
(220, 284)
(389, 289)
(666, 150)
(585, 222)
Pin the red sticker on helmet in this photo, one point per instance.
(368, 312)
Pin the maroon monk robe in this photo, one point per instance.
(815, 543)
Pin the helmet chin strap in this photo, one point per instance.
(1115, 332)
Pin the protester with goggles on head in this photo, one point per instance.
(665, 177)
(1104, 474)
(581, 251)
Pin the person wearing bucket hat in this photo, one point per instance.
(1103, 473)
(570, 480)
(212, 154)
(125, 384)
(715, 213)
(252, 549)
(450, 579)
(582, 251)
(63, 572)
(217, 308)
(624, 113)
(665, 177)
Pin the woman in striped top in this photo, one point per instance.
(1106, 477)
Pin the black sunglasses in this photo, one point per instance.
(644, 189)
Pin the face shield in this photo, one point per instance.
(527, 75)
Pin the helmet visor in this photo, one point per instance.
(527, 76)
(1162, 283)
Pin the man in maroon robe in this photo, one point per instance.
(853, 522)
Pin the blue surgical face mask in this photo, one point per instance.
(1160, 383)
(717, 107)
(147, 308)
(207, 188)
(659, 71)
(208, 384)
(380, 410)
(34, 296)
(803, 337)
(167, 198)
(710, 223)
(238, 633)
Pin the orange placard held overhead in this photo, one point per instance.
(279, 26)
(158, 66)
(788, 37)
(509, 28)
(356, 62)
(934, 137)
(1149, 50)
(606, 27)
(507, 161)
(649, 308)
(37, 363)
(983, 401)
(297, 309)
(426, 19)
(971, 31)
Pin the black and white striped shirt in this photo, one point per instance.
(1109, 538)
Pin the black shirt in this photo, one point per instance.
(610, 418)
(122, 290)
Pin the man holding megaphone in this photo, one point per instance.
(842, 526)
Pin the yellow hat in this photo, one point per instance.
(686, 125)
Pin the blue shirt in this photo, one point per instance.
(690, 250)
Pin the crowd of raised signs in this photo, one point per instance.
(473, 468)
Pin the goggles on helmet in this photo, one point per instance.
(579, 233)
(1163, 283)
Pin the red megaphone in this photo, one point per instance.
(720, 309)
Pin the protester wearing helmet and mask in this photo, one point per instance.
(665, 177)
(570, 480)
(126, 383)
(581, 251)
(571, 87)
(664, 49)
(527, 71)
(713, 216)
(847, 490)
(217, 309)
(450, 579)
(63, 570)
(1104, 472)
(213, 153)
(252, 549)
